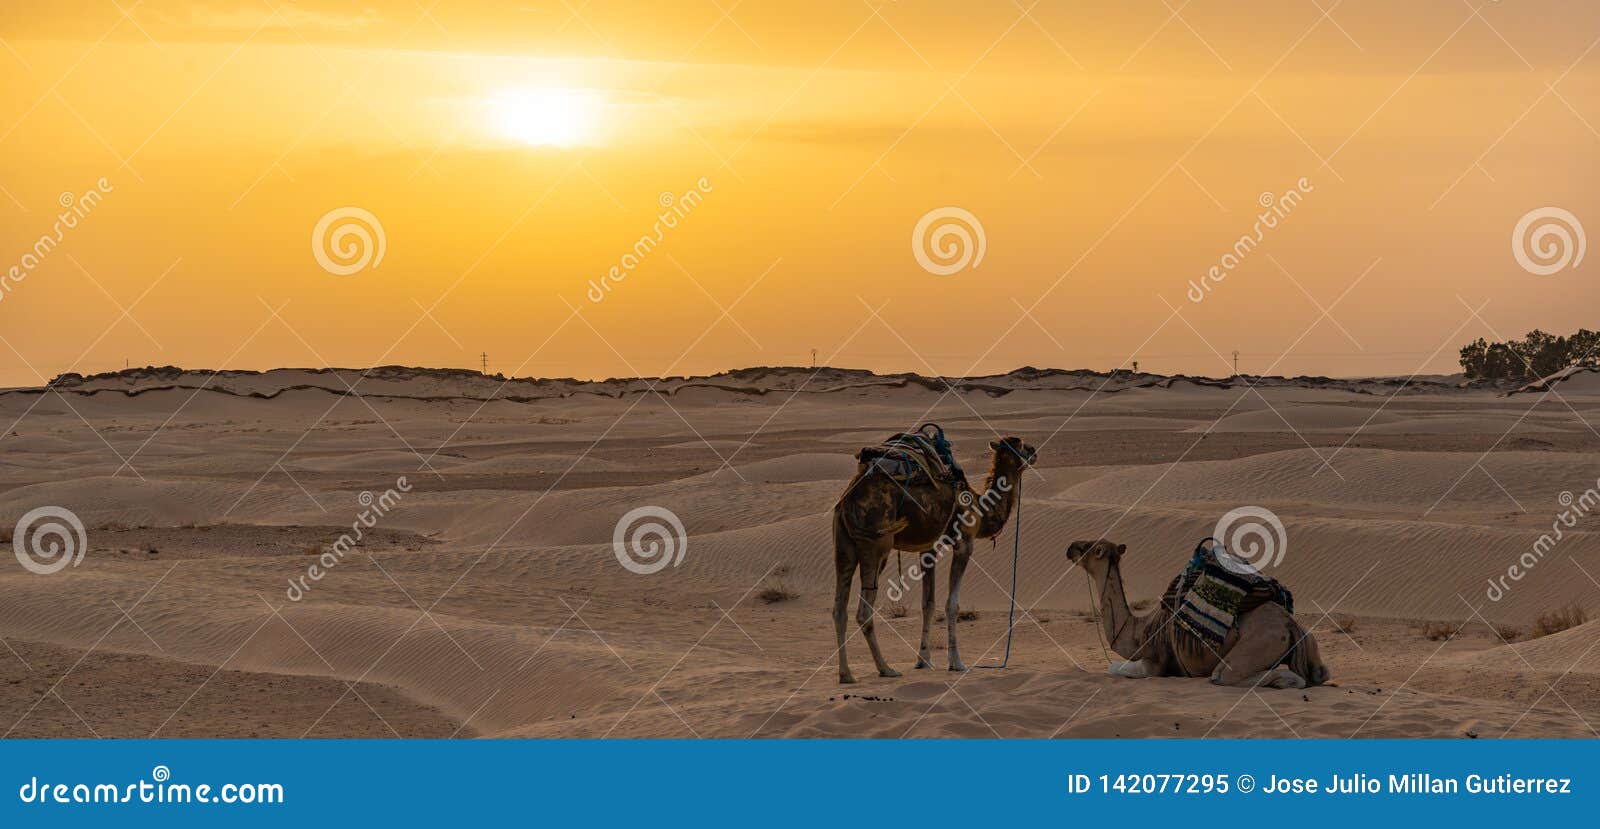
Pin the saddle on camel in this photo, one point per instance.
(914, 457)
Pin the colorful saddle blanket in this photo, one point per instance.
(1207, 598)
(909, 456)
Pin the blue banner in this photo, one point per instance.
(786, 783)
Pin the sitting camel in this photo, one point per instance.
(878, 513)
(1261, 641)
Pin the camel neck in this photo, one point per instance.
(996, 501)
(1115, 616)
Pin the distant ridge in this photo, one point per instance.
(464, 384)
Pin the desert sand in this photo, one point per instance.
(488, 599)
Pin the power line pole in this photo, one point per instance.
(1236, 362)
(813, 358)
(484, 357)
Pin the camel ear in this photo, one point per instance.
(1121, 548)
(994, 444)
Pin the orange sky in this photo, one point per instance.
(513, 153)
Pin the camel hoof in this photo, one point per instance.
(958, 667)
(846, 679)
(889, 673)
(923, 663)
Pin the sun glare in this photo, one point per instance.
(546, 117)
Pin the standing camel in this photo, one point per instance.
(1262, 641)
(879, 513)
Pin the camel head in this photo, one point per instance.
(1095, 557)
(1012, 452)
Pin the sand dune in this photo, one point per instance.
(490, 600)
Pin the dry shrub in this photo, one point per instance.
(1555, 621)
(1344, 624)
(777, 592)
(966, 615)
(1439, 631)
(898, 611)
(1510, 633)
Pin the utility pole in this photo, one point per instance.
(484, 357)
(1135, 366)
(813, 358)
(1236, 362)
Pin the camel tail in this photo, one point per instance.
(1306, 658)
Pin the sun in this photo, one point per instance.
(548, 117)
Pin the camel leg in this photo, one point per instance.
(844, 565)
(952, 604)
(925, 564)
(872, 563)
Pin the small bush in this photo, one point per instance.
(966, 615)
(1439, 631)
(777, 592)
(1555, 621)
(1510, 633)
(898, 611)
(1344, 624)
